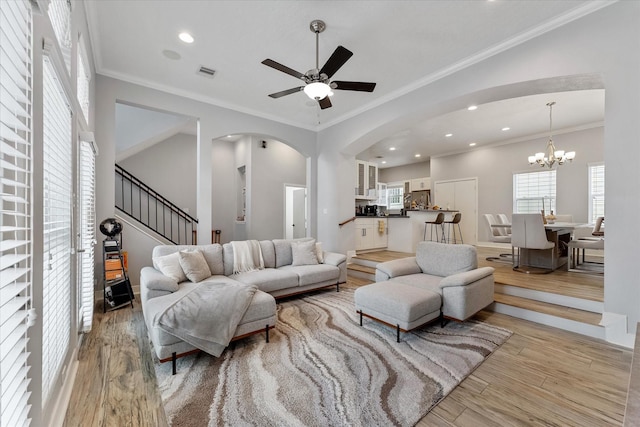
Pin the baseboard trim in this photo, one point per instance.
(56, 419)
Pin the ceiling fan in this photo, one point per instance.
(317, 80)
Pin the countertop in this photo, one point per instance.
(432, 210)
(381, 217)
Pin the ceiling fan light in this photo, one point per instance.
(317, 90)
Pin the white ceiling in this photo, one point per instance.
(400, 45)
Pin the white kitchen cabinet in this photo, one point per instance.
(419, 184)
(368, 234)
(382, 194)
(366, 180)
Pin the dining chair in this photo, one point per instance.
(496, 235)
(502, 219)
(528, 232)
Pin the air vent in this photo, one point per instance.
(207, 72)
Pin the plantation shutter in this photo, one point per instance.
(60, 16)
(15, 211)
(57, 189)
(87, 229)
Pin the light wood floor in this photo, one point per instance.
(540, 376)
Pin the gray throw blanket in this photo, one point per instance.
(207, 317)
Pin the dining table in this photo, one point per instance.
(557, 232)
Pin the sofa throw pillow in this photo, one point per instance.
(319, 253)
(304, 253)
(169, 265)
(194, 265)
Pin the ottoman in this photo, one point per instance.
(395, 304)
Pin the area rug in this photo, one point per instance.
(321, 368)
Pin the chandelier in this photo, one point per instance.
(551, 156)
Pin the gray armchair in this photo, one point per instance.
(449, 270)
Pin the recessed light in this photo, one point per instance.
(473, 144)
(417, 155)
(186, 37)
(384, 161)
(506, 128)
(171, 54)
(392, 148)
(449, 135)
(472, 107)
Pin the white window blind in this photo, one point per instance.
(57, 188)
(596, 191)
(87, 228)
(83, 79)
(15, 211)
(60, 16)
(534, 191)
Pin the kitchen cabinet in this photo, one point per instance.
(419, 184)
(382, 194)
(366, 180)
(368, 234)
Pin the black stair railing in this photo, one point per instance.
(147, 206)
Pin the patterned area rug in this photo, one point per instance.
(321, 368)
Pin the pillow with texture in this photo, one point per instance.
(169, 265)
(304, 253)
(194, 265)
(319, 253)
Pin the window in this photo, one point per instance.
(57, 188)
(83, 79)
(395, 196)
(534, 191)
(87, 230)
(60, 17)
(15, 211)
(596, 191)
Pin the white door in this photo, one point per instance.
(299, 217)
(461, 195)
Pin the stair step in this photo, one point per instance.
(362, 268)
(549, 309)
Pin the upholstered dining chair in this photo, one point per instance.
(528, 232)
(497, 235)
(502, 219)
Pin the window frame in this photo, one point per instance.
(594, 212)
(538, 200)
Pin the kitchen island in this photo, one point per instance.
(405, 232)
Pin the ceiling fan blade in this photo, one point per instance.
(286, 92)
(359, 86)
(273, 64)
(337, 60)
(324, 102)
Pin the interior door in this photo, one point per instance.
(461, 195)
(299, 215)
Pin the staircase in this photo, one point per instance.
(152, 210)
(543, 305)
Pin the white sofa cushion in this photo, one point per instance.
(212, 254)
(170, 266)
(194, 265)
(304, 253)
(441, 259)
(268, 279)
(310, 274)
(283, 250)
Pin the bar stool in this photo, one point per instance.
(439, 221)
(452, 224)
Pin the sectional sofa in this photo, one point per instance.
(287, 271)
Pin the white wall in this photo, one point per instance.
(223, 189)
(593, 45)
(167, 167)
(495, 167)
(403, 173)
(271, 169)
